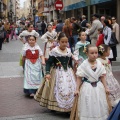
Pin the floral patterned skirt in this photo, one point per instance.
(58, 93)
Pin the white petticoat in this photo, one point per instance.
(92, 103)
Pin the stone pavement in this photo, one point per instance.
(14, 105)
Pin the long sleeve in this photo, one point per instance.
(21, 35)
(36, 34)
(117, 32)
(49, 63)
(109, 36)
(92, 29)
(44, 38)
(107, 33)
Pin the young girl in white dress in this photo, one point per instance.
(32, 72)
(24, 38)
(92, 102)
(49, 38)
(58, 95)
(112, 83)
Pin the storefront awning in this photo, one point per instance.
(83, 3)
(93, 2)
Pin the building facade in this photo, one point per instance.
(77, 8)
(102, 7)
(3, 9)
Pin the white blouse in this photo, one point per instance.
(107, 34)
(36, 47)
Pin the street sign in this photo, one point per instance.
(59, 5)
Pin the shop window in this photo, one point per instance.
(101, 11)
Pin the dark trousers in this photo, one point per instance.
(40, 32)
(1, 41)
(114, 50)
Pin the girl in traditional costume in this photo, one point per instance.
(32, 72)
(49, 38)
(92, 102)
(24, 37)
(80, 47)
(112, 83)
(58, 95)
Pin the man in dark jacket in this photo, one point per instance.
(76, 29)
(59, 26)
(84, 22)
(43, 27)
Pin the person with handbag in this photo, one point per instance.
(1, 35)
(109, 38)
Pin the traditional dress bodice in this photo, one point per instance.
(58, 59)
(32, 53)
(32, 56)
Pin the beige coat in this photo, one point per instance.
(93, 32)
(116, 29)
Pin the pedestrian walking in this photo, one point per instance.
(91, 88)
(13, 32)
(76, 28)
(39, 28)
(24, 37)
(80, 48)
(112, 83)
(59, 26)
(58, 95)
(32, 73)
(107, 31)
(25, 34)
(1, 35)
(116, 28)
(43, 27)
(49, 38)
(67, 29)
(93, 32)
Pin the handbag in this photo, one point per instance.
(113, 41)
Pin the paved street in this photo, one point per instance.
(13, 103)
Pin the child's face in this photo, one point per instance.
(32, 41)
(49, 28)
(83, 36)
(30, 28)
(63, 43)
(92, 53)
